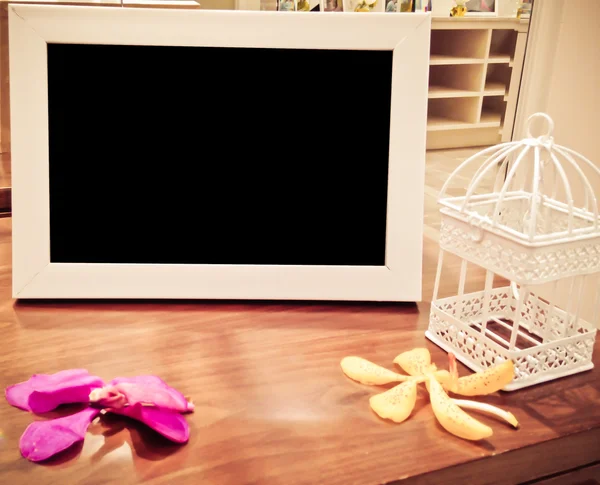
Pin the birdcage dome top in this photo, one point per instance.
(533, 190)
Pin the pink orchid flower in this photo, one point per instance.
(147, 399)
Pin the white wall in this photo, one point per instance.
(574, 93)
(565, 83)
(574, 87)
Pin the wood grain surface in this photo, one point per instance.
(272, 405)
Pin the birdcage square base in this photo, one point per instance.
(548, 343)
(514, 385)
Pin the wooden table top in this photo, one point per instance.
(272, 405)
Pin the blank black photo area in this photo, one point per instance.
(197, 155)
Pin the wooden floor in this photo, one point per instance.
(440, 164)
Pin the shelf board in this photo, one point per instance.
(494, 89)
(439, 123)
(447, 92)
(441, 60)
(500, 59)
(489, 119)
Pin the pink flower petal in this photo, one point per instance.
(171, 425)
(151, 390)
(18, 394)
(44, 439)
(63, 375)
(43, 392)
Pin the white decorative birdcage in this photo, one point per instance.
(535, 230)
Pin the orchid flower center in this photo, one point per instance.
(109, 396)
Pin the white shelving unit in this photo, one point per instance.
(474, 79)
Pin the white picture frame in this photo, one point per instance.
(32, 27)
